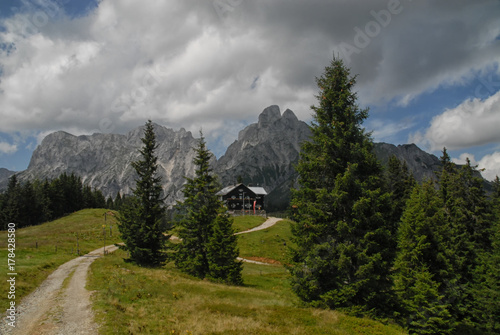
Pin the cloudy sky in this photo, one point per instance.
(428, 70)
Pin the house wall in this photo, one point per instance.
(234, 199)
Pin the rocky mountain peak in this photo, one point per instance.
(264, 155)
(289, 115)
(268, 116)
(265, 152)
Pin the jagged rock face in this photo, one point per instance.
(104, 161)
(265, 153)
(420, 163)
(4, 177)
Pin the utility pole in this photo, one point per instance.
(104, 237)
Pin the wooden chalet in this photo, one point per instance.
(243, 198)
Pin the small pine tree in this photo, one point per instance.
(429, 314)
(117, 203)
(222, 252)
(12, 202)
(208, 247)
(141, 216)
(345, 245)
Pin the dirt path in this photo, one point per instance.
(59, 306)
(268, 223)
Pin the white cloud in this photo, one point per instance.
(462, 159)
(7, 148)
(386, 130)
(474, 122)
(186, 64)
(490, 164)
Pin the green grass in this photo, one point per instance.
(242, 223)
(129, 299)
(271, 243)
(36, 254)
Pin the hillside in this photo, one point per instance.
(41, 249)
(141, 300)
(152, 301)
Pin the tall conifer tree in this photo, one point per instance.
(400, 183)
(208, 247)
(345, 245)
(469, 218)
(422, 266)
(141, 216)
(486, 287)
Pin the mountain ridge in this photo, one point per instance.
(264, 154)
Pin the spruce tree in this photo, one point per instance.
(117, 203)
(141, 216)
(400, 183)
(421, 267)
(485, 289)
(469, 216)
(13, 202)
(208, 247)
(222, 252)
(344, 244)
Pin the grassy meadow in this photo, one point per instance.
(242, 223)
(129, 299)
(269, 245)
(42, 249)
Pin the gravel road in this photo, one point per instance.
(54, 308)
(58, 308)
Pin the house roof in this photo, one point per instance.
(256, 190)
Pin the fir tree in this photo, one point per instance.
(43, 196)
(400, 183)
(109, 203)
(12, 202)
(29, 205)
(421, 267)
(141, 217)
(203, 226)
(117, 203)
(222, 252)
(469, 217)
(99, 199)
(345, 245)
(486, 286)
(87, 197)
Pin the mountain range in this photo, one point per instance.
(263, 155)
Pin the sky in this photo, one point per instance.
(427, 70)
